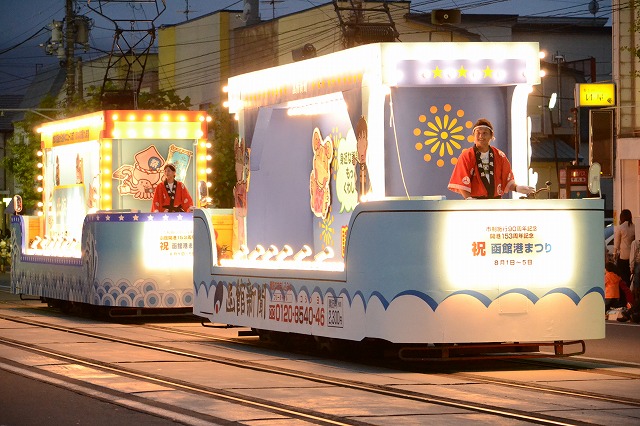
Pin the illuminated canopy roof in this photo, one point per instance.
(391, 65)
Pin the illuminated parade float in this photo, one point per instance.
(345, 229)
(94, 240)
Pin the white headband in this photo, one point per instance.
(480, 126)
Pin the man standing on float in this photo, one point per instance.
(484, 171)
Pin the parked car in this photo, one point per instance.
(608, 242)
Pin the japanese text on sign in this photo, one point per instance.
(513, 241)
(246, 299)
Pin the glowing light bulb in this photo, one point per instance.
(256, 252)
(271, 251)
(305, 251)
(242, 253)
(327, 253)
(285, 252)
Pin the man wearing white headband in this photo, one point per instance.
(484, 171)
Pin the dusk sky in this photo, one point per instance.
(26, 23)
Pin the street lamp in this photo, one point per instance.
(552, 103)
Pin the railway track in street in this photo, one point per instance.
(185, 360)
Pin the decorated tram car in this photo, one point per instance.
(93, 242)
(345, 230)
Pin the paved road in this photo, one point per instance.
(52, 406)
(27, 401)
(18, 393)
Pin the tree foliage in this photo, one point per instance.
(158, 100)
(21, 157)
(163, 99)
(223, 127)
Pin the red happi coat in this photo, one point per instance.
(161, 198)
(466, 175)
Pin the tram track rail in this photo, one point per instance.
(309, 415)
(502, 382)
(532, 362)
(386, 391)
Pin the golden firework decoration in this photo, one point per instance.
(442, 135)
(326, 230)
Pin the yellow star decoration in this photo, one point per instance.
(462, 73)
(437, 72)
(443, 135)
(327, 231)
(488, 72)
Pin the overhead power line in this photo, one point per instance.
(37, 33)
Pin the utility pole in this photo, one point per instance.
(559, 59)
(69, 51)
(65, 34)
(80, 93)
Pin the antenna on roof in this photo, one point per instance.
(186, 10)
(273, 6)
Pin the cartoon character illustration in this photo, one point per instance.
(140, 179)
(180, 158)
(320, 174)
(363, 185)
(57, 175)
(239, 154)
(92, 199)
(242, 184)
(79, 169)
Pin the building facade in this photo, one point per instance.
(626, 65)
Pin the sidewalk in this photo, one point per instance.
(5, 287)
(6, 297)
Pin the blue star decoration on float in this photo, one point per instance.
(136, 217)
